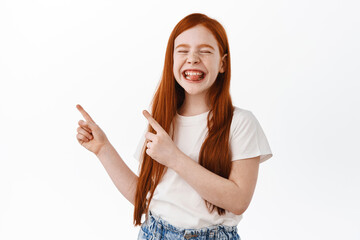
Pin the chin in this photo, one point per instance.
(193, 92)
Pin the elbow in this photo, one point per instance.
(239, 209)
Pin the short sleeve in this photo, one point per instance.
(139, 148)
(247, 137)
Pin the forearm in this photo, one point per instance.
(215, 189)
(121, 175)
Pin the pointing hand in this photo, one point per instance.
(160, 146)
(90, 134)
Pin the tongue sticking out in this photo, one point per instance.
(195, 77)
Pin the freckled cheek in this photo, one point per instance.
(176, 72)
(176, 68)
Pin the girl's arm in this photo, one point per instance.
(121, 175)
(233, 194)
(93, 138)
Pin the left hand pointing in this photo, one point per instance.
(160, 146)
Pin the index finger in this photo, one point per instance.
(84, 113)
(153, 122)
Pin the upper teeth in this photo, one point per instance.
(193, 73)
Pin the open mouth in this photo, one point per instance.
(193, 75)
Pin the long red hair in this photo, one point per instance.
(215, 152)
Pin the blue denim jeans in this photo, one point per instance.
(156, 228)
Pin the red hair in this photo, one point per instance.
(215, 152)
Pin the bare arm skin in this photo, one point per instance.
(233, 194)
(91, 136)
(124, 179)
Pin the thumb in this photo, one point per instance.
(88, 125)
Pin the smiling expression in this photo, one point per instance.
(197, 60)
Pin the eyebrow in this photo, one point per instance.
(201, 45)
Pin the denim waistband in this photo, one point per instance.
(190, 232)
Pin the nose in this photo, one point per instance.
(193, 58)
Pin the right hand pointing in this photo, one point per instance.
(90, 134)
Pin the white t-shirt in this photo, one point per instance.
(174, 199)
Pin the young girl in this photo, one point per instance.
(200, 155)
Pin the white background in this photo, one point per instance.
(295, 65)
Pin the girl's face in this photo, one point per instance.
(197, 60)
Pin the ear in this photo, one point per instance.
(223, 63)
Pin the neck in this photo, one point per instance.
(194, 105)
